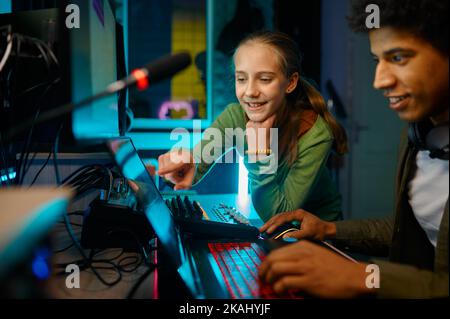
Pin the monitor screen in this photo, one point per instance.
(157, 28)
(93, 68)
(85, 63)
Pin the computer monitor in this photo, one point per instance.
(93, 67)
(31, 82)
(87, 63)
(122, 71)
(157, 28)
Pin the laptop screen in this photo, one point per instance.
(153, 205)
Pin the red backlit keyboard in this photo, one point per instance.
(238, 263)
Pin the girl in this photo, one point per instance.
(272, 95)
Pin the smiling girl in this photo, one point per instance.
(273, 95)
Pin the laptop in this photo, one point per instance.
(208, 268)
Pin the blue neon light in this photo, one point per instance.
(11, 175)
(5, 6)
(40, 265)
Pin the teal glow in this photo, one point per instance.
(122, 156)
(216, 269)
(185, 271)
(11, 176)
(125, 38)
(125, 30)
(93, 69)
(209, 58)
(32, 231)
(161, 140)
(243, 197)
(5, 6)
(141, 123)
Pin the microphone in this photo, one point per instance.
(156, 71)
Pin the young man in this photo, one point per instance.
(411, 50)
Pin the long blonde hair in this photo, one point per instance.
(304, 97)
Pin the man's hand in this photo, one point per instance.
(307, 267)
(311, 226)
(178, 168)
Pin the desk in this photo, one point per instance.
(90, 285)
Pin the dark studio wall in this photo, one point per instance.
(302, 21)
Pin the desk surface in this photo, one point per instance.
(90, 285)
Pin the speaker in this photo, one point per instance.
(425, 136)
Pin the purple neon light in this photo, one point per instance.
(98, 7)
(178, 106)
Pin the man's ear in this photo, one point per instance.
(293, 81)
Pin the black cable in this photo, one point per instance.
(110, 182)
(75, 173)
(29, 165)
(86, 260)
(139, 262)
(19, 46)
(77, 213)
(40, 45)
(119, 268)
(6, 148)
(46, 161)
(43, 54)
(100, 251)
(63, 249)
(92, 182)
(49, 50)
(139, 282)
(54, 113)
(55, 156)
(86, 179)
(92, 254)
(31, 88)
(83, 189)
(74, 213)
(89, 176)
(78, 172)
(40, 170)
(136, 263)
(72, 223)
(27, 146)
(25, 150)
(5, 162)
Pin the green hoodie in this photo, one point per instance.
(305, 184)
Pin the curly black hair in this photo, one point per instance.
(427, 19)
